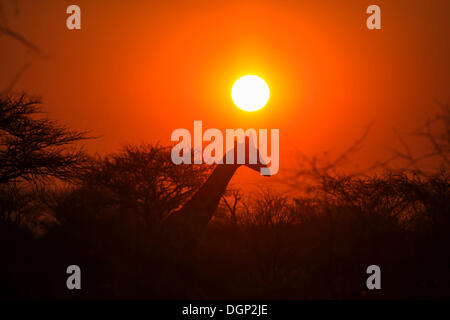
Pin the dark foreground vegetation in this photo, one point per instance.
(59, 207)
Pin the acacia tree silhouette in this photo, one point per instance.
(33, 150)
(142, 180)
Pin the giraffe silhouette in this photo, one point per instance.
(183, 228)
(194, 216)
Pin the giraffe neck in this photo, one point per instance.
(205, 201)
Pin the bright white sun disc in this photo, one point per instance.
(250, 93)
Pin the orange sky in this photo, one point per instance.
(140, 69)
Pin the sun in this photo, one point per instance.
(250, 93)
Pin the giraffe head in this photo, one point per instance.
(252, 158)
